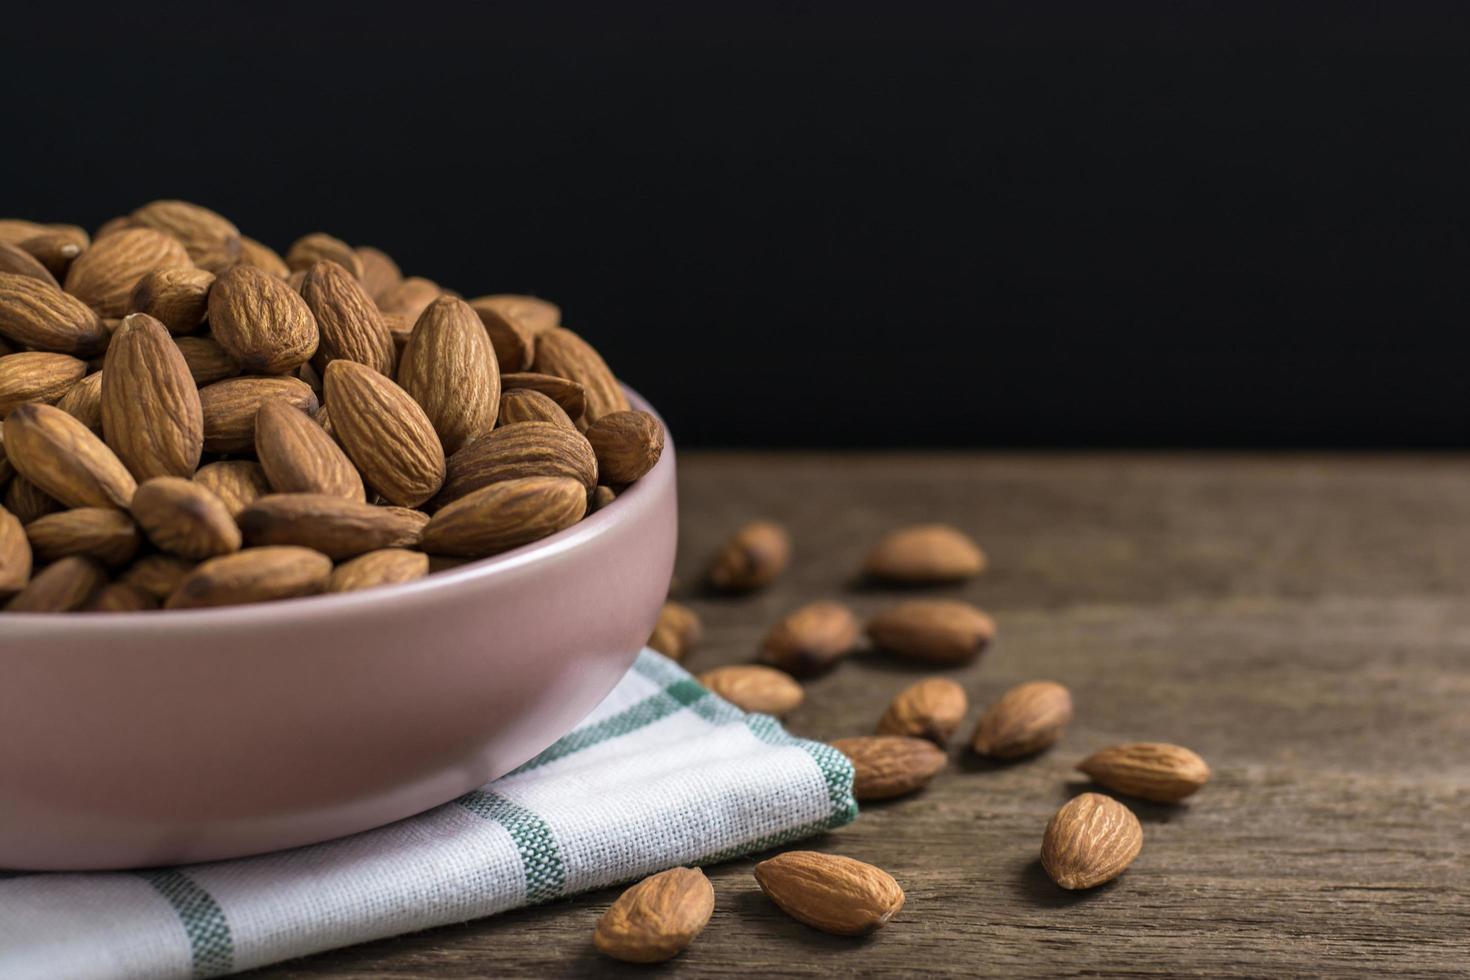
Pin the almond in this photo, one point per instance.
(627, 444)
(57, 249)
(308, 250)
(15, 260)
(62, 586)
(336, 527)
(449, 368)
(120, 597)
(15, 554)
(185, 518)
(525, 405)
(1155, 771)
(62, 457)
(885, 766)
(570, 395)
(298, 456)
(811, 639)
(400, 328)
(829, 892)
(1091, 840)
(212, 242)
(505, 515)
(386, 566)
(157, 575)
(229, 409)
(151, 412)
(514, 342)
(83, 402)
(17, 230)
(409, 297)
(601, 497)
(35, 376)
(385, 433)
(260, 321)
(932, 709)
(262, 257)
(38, 315)
(513, 452)
(566, 355)
(27, 501)
(751, 558)
(351, 327)
(754, 688)
(252, 575)
(536, 315)
(104, 275)
(206, 359)
(1026, 719)
(677, 631)
(925, 554)
(176, 297)
(944, 631)
(236, 482)
(657, 918)
(104, 534)
(379, 272)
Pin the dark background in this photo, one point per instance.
(1009, 223)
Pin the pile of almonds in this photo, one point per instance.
(1089, 841)
(192, 420)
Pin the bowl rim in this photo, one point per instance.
(326, 604)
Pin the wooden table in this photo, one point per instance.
(1301, 621)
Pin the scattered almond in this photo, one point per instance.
(933, 708)
(1091, 840)
(677, 631)
(1155, 771)
(754, 688)
(942, 631)
(1026, 719)
(657, 918)
(925, 554)
(829, 892)
(184, 518)
(386, 566)
(751, 558)
(885, 766)
(811, 639)
(627, 444)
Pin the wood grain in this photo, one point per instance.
(1301, 621)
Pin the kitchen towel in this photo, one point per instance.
(661, 773)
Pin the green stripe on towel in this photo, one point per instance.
(671, 699)
(540, 857)
(210, 943)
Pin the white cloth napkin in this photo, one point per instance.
(661, 773)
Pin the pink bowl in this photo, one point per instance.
(134, 740)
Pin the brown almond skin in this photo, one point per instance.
(657, 918)
(62, 457)
(514, 342)
(185, 518)
(38, 315)
(751, 687)
(207, 361)
(62, 586)
(27, 501)
(298, 456)
(1025, 720)
(627, 444)
(262, 257)
(925, 554)
(505, 515)
(253, 575)
(236, 482)
(379, 272)
(677, 631)
(525, 405)
(103, 534)
(1154, 771)
(36, 376)
(385, 433)
(120, 597)
(15, 554)
(830, 892)
(601, 497)
(570, 395)
(230, 406)
(885, 766)
(1090, 841)
(751, 558)
(83, 402)
(561, 352)
(811, 639)
(176, 297)
(15, 260)
(308, 250)
(348, 320)
(535, 314)
(260, 321)
(57, 249)
(449, 368)
(933, 709)
(517, 451)
(211, 241)
(336, 527)
(386, 566)
(409, 297)
(157, 575)
(104, 275)
(151, 414)
(940, 631)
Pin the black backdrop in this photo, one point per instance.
(844, 224)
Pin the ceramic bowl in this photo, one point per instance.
(143, 739)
